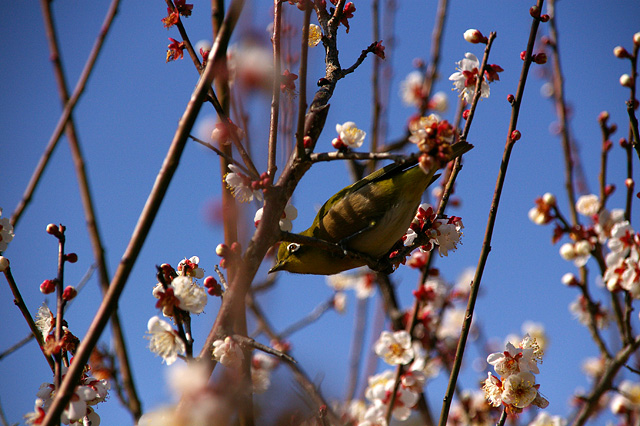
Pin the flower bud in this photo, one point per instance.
(544, 18)
(636, 39)
(534, 11)
(540, 58)
(606, 145)
(620, 52)
(4, 263)
(48, 286)
(71, 257)
(549, 199)
(466, 113)
(623, 143)
(626, 80)
(212, 286)
(474, 36)
(603, 117)
(515, 135)
(510, 98)
(629, 183)
(69, 293)
(53, 229)
(583, 248)
(567, 251)
(609, 189)
(612, 128)
(222, 250)
(338, 144)
(307, 141)
(523, 54)
(570, 280)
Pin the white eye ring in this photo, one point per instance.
(293, 247)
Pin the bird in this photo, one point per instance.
(367, 217)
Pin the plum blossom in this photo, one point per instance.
(190, 267)
(395, 348)
(362, 281)
(315, 35)
(464, 80)
(191, 296)
(379, 392)
(411, 89)
(588, 205)
(240, 185)
(6, 232)
(227, 352)
(286, 221)
(349, 136)
(519, 389)
(164, 340)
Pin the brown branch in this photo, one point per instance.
(19, 302)
(297, 371)
(275, 93)
(486, 245)
(561, 111)
(145, 221)
(92, 224)
(591, 402)
(66, 114)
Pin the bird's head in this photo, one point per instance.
(306, 259)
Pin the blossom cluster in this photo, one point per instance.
(79, 411)
(433, 137)
(516, 387)
(181, 296)
(442, 232)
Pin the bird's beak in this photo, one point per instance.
(279, 266)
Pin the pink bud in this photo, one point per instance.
(609, 189)
(510, 98)
(620, 52)
(474, 36)
(623, 143)
(515, 135)
(48, 286)
(307, 141)
(534, 11)
(629, 183)
(603, 117)
(53, 229)
(544, 18)
(71, 257)
(69, 293)
(523, 54)
(466, 113)
(222, 250)
(636, 39)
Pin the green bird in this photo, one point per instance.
(367, 217)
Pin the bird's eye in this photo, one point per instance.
(293, 247)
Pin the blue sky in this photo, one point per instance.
(128, 115)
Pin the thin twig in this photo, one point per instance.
(133, 403)
(275, 93)
(486, 245)
(66, 114)
(302, 83)
(19, 302)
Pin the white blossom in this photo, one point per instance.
(395, 348)
(164, 341)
